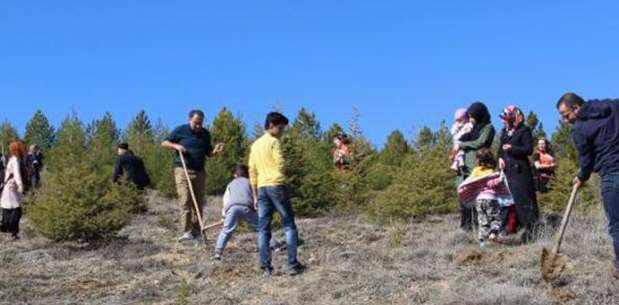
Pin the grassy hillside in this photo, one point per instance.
(350, 261)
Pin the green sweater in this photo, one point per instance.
(485, 139)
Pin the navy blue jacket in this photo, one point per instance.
(596, 134)
(197, 145)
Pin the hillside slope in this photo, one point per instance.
(350, 261)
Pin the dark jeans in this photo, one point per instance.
(270, 200)
(610, 196)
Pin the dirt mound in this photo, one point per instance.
(475, 257)
(552, 265)
(562, 296)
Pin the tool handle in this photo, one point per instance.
(566, 217)
(193, 194)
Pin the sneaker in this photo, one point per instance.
(492, 236)
(185, 237)
(296, 270)
(613, 270)
(216, 257)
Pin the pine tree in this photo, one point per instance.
(8, 134)
(334, 130)
(231, 131)
(563, 144)
(425, 138)
(159, 162)
(395, 150)
(139, 135)
(39, 131)
(308, 165)
(78, 201)
(102, 138)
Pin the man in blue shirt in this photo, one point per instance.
(194, 142)
(595, 129)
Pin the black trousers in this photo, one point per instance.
(10, 221)
(468, 218)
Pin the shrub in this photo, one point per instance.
(77, 200)
(424, 185)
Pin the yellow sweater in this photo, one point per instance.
(266, 163)
(481, 171)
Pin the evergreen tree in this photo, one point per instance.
(332, 132)
(443, 137)
(425, 138)
(102, 138)
(8, 134)
(308, 165)
(231, 131)
(78, 201)
(139, 135)
(39, 131)
(563, 144)
(395, 150)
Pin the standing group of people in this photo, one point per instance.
(19, 173)
(258, 190)
(472, 159)
(504, 190)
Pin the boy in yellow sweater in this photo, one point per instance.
(268, 181)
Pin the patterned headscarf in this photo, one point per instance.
(512, 116)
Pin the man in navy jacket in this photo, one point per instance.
(595, 129)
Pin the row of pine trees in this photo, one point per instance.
(403, 180)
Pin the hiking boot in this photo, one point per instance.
(613, 270)
(185, 237)
(296, 270)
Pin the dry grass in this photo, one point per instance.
(350, 261)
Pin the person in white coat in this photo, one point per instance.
(10, 201)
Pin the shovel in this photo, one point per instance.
(193, 198)
(552, 262)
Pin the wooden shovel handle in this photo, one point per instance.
(193, 194)
(566, 217)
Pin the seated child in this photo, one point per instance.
(491, 213)
(238, 205)
(460, 128)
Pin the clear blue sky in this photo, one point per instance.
(403, 64)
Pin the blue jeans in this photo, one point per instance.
(270, 200)
(233, 216)
(610, 196)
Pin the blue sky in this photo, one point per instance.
(403, 64)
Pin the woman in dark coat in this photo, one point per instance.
(514, 150)
(480, 137)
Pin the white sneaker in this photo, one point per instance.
(492, 236)
(185, 237)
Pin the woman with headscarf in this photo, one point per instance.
(514, 150)
(480, 137)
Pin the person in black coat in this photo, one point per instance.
(516, 145)
(131, 165)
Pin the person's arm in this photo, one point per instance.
(586, 156)
(479, 142)
(226, 201)
(17, 176)
(118, 171)
(253, 178)
(171, 142)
